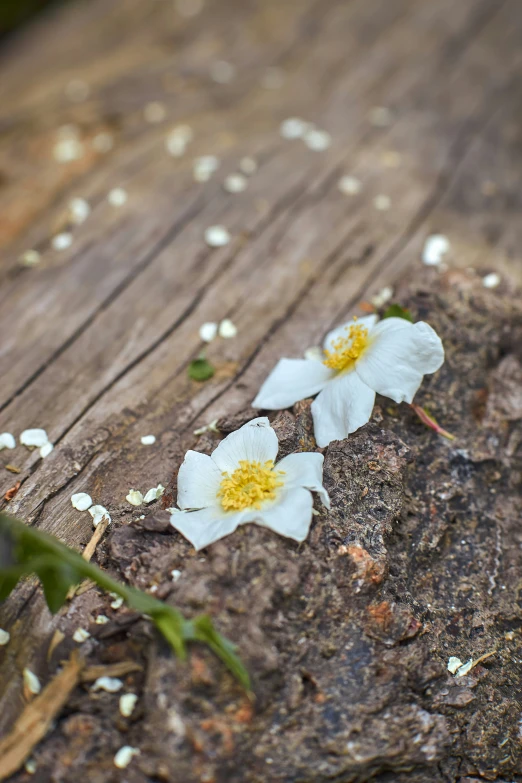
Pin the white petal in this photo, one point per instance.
(46, 449)
(304, 470)
(36, 438)
(154, 493)
(98, 513)
(205, 526)
(399, 355)
(255, 442)
(198, 481)
(368, 321)
(7, 441)
(342, 407)
(81, 501)
(135, 498)
(290, 515)
(292, 380)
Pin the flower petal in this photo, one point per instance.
(399, 355)
(205, 526)
(198, 481)
(342, 407)
(290, 515)
(255, 442)
(292, 380)
(367, 321)
(304, 469)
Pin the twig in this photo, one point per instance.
(430, 422)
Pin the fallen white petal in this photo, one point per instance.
(102, 142)
(204, 167)
(109, 684)
(46, 449)
(208, 331)
(227, 329)
(175, 574)
(199, 479)
(98, 513)
(102, 619)
(350, 186)
(212, 427)
(235, 183)
(217, 236)
(127, 704)
(491, 281)
(31, 681)
(67, 150)
(30, 258)
(124, 756)
(148, 440)
(382, 202)
(135, 498)
(7, 441)
(343, 406)
(317, 140)
(435, 247)
(465, 668)
(79, 210)
(154, 494)
(62, 241)
(81, 501)
(117, 602)
(384, 296)
(154, 112)
(117, 197)
(255, 441)
(81, 635)
(454, 664)
(293, 128)
(5, 636)
(292, 380)
(34, 438)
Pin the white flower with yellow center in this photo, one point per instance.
(360, 358)
(241, 483)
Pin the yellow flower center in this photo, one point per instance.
(249, 485)
(345, 350)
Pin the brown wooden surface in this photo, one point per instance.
(95, 341)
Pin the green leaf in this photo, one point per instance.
(396, 311)
(200, 369)
(25, 550)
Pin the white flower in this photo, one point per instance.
(360, 358)
(240, 483)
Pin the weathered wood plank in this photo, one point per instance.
(96, 340)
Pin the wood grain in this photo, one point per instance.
(96, 339)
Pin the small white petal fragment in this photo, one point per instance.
(79, 210)
(81, 501)
(102, 619)
(212, 427)
(154, 494)
(135, 498)
(31, 681)
(227, 329)
(178, 139)
(148, 440)
(435, 247)
(124, 756)
(465, 668)
(380, 116)
(204, 167)
(46, 449)
(117, 603)
(208, 331)
(454, 664)
(81, 635)
(62, 241)
(109, 684)
(117, 197)
(384, 295)
(127, 704)
(5, 636)
(30, 766)
(350, 186)
(491, 281)
(317, 140)
(7, 441)
(102, 142)
(293, 128)
(222, 72)
(154, 112)
(235, 183)
(217, 236)
(68, 149)
(34, 438)
(248, 166)
(99, 513)
(382, 202)
(175, 574)
(30, 258)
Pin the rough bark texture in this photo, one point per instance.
(347, 636)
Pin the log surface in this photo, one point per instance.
(96, 339)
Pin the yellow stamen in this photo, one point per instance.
(345, 350)
(249, 485)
